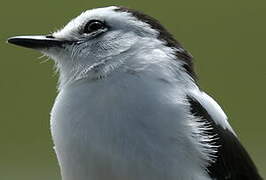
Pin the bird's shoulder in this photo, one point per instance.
(232, 162)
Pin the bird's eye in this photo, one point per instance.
(93, 26)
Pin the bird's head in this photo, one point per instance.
(100, 41)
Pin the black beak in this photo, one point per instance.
(36, 42)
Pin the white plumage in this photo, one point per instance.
(137, 113)
(122, 110)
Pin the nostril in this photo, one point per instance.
(50, 36)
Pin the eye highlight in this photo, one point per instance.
(93, 25)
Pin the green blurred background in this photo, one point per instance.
(227, 39)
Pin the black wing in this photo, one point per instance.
(233, 161)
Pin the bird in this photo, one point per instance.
(129, 104)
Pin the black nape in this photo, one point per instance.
(166, 37)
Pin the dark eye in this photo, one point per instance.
(93, 26)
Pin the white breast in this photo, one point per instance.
(129, 129)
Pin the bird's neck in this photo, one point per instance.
(154, 59)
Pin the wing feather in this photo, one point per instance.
(232, 162)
